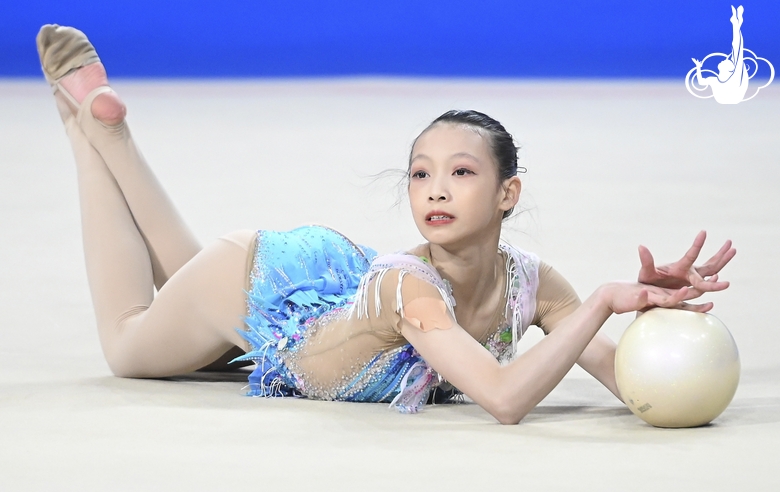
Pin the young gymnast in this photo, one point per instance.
(323, 317)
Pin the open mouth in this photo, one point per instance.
(438, 216)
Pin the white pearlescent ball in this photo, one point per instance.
(677, 368)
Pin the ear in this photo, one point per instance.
(511, 193)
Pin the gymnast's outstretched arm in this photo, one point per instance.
(509, 392)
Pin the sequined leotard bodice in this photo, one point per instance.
(323, 315)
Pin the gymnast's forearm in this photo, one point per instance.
(529, 378)
(598, 360)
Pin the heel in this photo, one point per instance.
(85, 108)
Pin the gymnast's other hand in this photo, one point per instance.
(683, 273)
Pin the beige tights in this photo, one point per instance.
(134, 241)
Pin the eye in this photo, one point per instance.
(419, 174)
(463, 171)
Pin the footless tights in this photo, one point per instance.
(134, 241)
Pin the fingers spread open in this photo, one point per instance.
(710, 284)
(678, 299)
(681, 295)
(693, 252)
(665, 297)
(718, 260)
(647, 261)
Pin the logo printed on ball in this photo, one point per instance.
(730, 83)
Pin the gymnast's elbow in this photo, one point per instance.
(504, 406)
(507, 413)
(508, 418)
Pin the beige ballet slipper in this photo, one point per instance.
(62, 50)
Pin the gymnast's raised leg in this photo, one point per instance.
(135, 240)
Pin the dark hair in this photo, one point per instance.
(501, 142)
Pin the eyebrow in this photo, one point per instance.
(466, 155)
(453, 156)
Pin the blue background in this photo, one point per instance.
(487, 38)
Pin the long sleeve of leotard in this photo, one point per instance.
(555, 298)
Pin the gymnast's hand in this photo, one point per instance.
(683, 273)
(624, 297)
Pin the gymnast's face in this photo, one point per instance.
(453, 186)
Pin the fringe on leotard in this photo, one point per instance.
(302, 275)
(419, 378)
(522, 282)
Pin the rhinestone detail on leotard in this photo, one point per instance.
(288, 306)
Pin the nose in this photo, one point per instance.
(437, 192)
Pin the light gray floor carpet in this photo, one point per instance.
(611, 165)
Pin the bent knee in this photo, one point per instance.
(124, 363)
(120, 344)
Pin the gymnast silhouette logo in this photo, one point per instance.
(730, 84)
